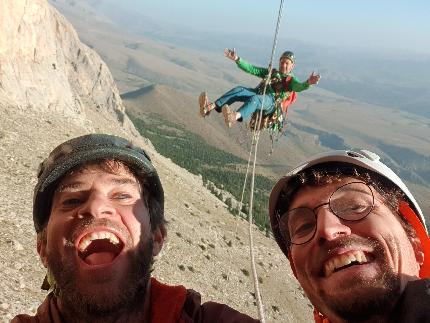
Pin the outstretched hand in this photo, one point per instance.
(231, 54)
(314, 78)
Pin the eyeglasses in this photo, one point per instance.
(349, 202)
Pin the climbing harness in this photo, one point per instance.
(275, 121)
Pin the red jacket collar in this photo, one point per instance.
(166, 302)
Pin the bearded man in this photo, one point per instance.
(355, 237)
(99, 216)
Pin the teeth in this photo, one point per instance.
(85, 242)
(343, 260)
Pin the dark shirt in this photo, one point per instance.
(169, 304)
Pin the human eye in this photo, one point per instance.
(353, 199)
(302, 229)
(125, 196)
(71, 201)
(121, 196)
(301, 223)
(358, 206)
(353, 207)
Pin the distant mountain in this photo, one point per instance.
(397, 79)
(319, 120)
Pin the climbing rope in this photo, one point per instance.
(255, 140)
(239, 208)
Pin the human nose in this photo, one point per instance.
(97, 206)
(329, 226)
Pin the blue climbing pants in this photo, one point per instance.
(251, 101)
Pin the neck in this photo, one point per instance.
(129, 314)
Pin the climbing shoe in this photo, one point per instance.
(204, 105)
(229, 116)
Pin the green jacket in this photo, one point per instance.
(294, 85)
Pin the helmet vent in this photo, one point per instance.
(354, 154)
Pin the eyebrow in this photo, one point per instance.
(69, 187)
(361, 190)
(76, 185)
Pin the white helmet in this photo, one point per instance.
(361, 158)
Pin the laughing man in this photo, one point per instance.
(356, 239)
(99, 216)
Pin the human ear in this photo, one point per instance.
(158, 236)
(41, 248)
(419, 252)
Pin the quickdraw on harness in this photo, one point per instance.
(274, 121)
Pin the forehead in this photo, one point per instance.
(97, 171)
(286, 59)
(318, 193)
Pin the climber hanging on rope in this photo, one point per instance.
(280, 92)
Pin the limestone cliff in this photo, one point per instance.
(44, 66)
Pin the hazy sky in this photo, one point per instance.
(377, 24)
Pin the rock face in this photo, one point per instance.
(44, 66)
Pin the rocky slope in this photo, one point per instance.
(52, 88)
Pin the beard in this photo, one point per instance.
(107, 298)
(376, 299)
(366, 298)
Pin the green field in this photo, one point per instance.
(191, 152)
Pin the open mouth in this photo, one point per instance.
(344, 261)
(99, 248)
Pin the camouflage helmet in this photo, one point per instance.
(288, 54)
(89, 148)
